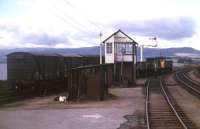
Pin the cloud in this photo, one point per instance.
(17, 36)
(44, 39)
(165, 28)
(8, 28)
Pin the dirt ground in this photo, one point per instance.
(170, 80)
(189, 103)
(44, 113)
(140, 82)
(193, 76)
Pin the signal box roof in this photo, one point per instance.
(132, 41)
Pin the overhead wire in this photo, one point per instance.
(68, 20)
(83, 15)
(76, 25)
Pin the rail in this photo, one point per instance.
(188, 78)
(169, 101)
(178, 74)
(147, 104)
(172, 107)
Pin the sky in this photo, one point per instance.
(78, 23)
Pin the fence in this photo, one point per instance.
(93, 81)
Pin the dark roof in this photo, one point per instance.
(45, 54)
(157, 58)
(122, 33)
(70, 55)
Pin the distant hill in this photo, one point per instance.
(171, 52)
(148, 52)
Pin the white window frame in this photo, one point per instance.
(109, 48)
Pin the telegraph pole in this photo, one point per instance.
(100, 35)
(141, 53)
(123, 51)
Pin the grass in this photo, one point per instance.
(6, 95)
(4, 90)
(198, 68)
(3, 86)
(197, 72)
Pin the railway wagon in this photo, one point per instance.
(160, 64)
(169, 66)
(91, 60)
(34, 71)
(154, 66)
(141, 70)
(144, 69)
(38, 72)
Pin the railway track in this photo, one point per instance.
(162, 112)
(189, 84)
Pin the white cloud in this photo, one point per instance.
(75, 20)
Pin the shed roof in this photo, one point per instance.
(157, 58)
(46, 54)
(133, 41)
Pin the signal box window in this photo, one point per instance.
(109, 48)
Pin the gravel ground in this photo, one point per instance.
(170, 80)
(189, 103)
(45, 114)
(141, 82)
(193, 76)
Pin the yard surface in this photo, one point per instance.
(123, 111)
(188, 102)
(44, 113)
